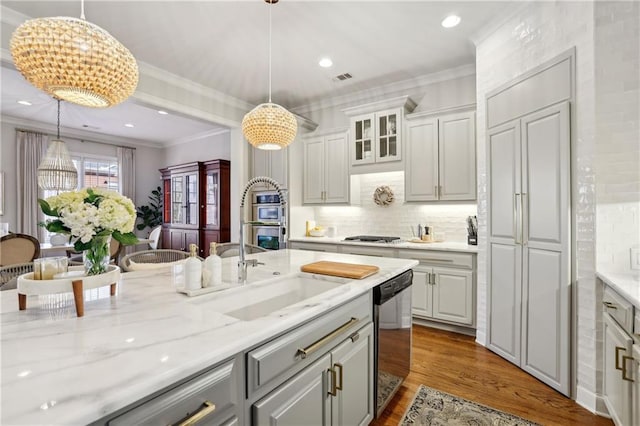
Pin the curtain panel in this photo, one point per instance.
(127, 166)
(31, 149)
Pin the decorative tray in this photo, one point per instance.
(73, 281)
(63, 282)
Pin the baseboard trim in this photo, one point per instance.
(591, 401)
(445, 326)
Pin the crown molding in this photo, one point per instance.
(441, 111)
(404, 102)
(202, 135)
(38, 126)
(387, 89)
(305, 123)
(12, 17)
(325, 132)
(191, 86)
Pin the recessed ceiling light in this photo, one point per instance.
(27, 103)
(325, 62)
(163, 112)
(129, 125)
(450, 21)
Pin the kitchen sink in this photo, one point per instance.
(260, 299)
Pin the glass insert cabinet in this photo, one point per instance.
(375, 134)
(196, 205)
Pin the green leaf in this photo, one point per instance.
(80, 246)
(56, 226)
(46, 208)
(127, 239)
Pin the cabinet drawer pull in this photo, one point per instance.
(208, 408)
(338, 365)
(318, 343)
(333, 390)
(609, 305)
(436, 259)
(625, 358)
(618, 349)
(433, 279)
(354, 337)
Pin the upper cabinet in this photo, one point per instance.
(326, 169)
(440, 157)
(376, 131)
(272, 164)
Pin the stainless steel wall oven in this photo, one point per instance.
(268, 220)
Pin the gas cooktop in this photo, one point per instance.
(372, 239)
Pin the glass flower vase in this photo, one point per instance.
(96, 257)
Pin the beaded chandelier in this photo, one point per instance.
(74, 60)
(269, 126)
(57, 172)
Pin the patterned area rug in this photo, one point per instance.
(432, 407)
(387, 385)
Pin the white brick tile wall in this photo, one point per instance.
(537, 33)
(617, 91)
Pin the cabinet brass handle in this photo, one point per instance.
(435, 191)
(625, 358)
(433, 279)
(609, 305)
(303, 353)
(333, 390)
(435, 259)
(338, 365)
(618, 349)
(439, 191)
(208, 408)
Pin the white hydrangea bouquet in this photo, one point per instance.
(92, 216)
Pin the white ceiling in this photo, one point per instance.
(223, 45)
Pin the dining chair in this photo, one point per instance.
(18, 248)
(154, 236)
(233, 249)
(152, 259)
(9, 274)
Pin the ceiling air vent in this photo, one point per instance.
(342, 77)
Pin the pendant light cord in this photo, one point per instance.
(58, 134)
(270, 6)
(82, 10)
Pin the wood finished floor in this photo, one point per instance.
(455, 364)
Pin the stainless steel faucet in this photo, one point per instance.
(243, 263)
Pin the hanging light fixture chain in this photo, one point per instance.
(270, 7)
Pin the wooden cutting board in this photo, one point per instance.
(339, 269)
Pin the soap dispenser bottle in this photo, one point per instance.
(193, 270)
(212, 268)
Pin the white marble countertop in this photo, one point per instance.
(403, 244)
(60, 369)
(625, 283)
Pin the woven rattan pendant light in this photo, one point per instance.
(56, 172)
(74, 60)
(269, 126)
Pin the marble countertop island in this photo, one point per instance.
(625, 283)
(60, 369)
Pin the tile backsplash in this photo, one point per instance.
(396, 219)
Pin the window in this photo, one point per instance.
(93, 171)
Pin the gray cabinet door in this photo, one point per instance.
(336, 174)
(457, 156)
(545, 234)
(313, 185)
(421, 292)
(421, 164)
(453, 295)
(529, 253)
(353, 363)
(302, 401)
(616, 392)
